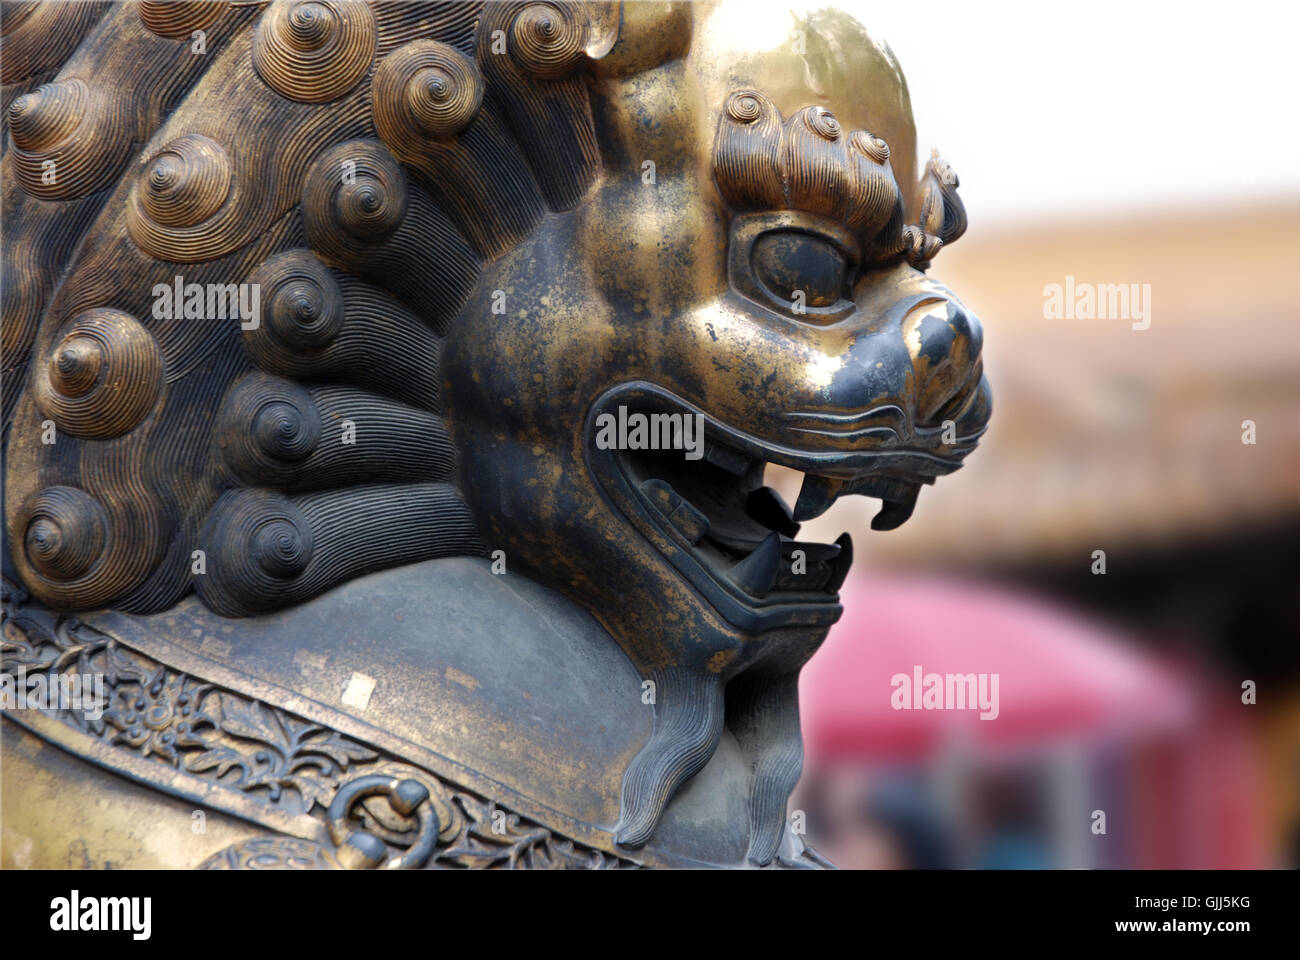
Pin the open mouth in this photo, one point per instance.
(733, 538)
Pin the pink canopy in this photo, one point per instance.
(1057, 675)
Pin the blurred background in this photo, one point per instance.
(1114, 143)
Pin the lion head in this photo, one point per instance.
(744, 262)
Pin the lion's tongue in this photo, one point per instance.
(767, 566)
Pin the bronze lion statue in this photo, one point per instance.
(388, 389)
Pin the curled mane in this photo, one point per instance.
(358, 166)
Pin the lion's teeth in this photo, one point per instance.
(757, 572)
(840, 565)
(816, 496)
(895, 511)
(766, 506)
(812, 552)
(727, 459)
(681, 513)
(689, 522)
(661, 494)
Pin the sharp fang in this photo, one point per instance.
(766, 506)
(812, 552)
(840, 565)
(816, 496)
(727, 459)
(757, 572)
(895, 511)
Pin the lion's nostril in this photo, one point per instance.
(944, 340)
(963, 408)
(965, 323)
(969, 411)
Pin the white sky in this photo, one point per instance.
(1084, 107)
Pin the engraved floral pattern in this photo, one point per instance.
(261, 751)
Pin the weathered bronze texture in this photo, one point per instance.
(324, 323)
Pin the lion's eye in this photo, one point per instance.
(786, 261)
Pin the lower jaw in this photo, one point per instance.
(781, 611)
(746, 615)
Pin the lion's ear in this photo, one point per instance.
(605, 20)
(942, 218)
(628, 38)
